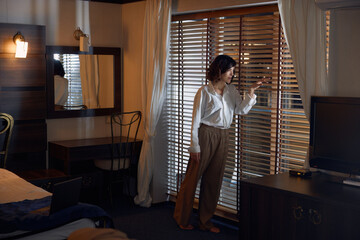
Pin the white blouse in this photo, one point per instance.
(217, 110)
(60, 90)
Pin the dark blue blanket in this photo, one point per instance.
(19, 216)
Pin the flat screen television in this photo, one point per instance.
(335, 134)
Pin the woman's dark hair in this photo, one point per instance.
(58, 68)
(220, 65)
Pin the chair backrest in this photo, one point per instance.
(126, 125)
(6, 127)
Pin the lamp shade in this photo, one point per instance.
(21, 49)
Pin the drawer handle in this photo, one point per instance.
(315, 216)
(298, 212)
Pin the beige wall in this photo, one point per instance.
(132, 35)
(61, 17)
(344, 66)
(104, 23)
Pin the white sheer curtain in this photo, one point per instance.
(305, 32)
(90, 83)
(83, 17)
(153, 75)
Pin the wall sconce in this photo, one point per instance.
(21, 45)
(83, 38)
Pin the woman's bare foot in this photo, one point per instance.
(187, 227)
(214, 229)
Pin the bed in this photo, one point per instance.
(19, 219)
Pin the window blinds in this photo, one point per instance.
(274, 136)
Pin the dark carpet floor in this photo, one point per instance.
(157, 223)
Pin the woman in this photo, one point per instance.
(60, 85)
(214, 107)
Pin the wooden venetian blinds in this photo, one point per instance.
(273, 137)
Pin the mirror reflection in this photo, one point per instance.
(89, 83)
(83, 81)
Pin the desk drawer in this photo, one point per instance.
(86, 153)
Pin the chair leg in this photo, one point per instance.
(110, 195)
(127, 185)
(124, 185)
(107, 189)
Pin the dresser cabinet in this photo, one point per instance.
(288, 207)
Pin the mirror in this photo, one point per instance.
(88, 83)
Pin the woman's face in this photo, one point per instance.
(228, 75)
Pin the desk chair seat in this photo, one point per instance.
(120, 167)
(6, 127)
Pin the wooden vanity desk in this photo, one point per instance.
(70, 155)
(75, 158)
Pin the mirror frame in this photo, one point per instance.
(51, 113)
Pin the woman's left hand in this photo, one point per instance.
(256, 85)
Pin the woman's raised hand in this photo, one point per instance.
(256, 85)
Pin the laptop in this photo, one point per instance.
(65, 194)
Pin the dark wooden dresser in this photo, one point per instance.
(44, 178)
(289, 207)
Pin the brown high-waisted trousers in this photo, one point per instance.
(214, 148)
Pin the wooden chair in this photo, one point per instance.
(6, 127)
(120, 167)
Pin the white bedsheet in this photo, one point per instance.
(15, 189)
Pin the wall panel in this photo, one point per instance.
(23, 95)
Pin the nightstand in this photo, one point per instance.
(44, 178)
